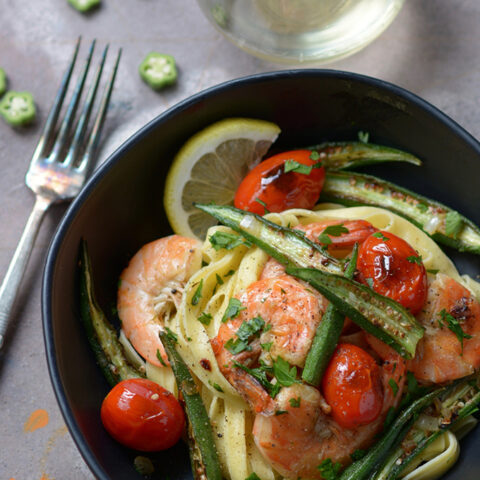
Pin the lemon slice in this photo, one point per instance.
(210, 166)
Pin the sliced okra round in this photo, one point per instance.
(84, 5)
(3, 81)
(17, 108)
(158, 70)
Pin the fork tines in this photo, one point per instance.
(81, 147)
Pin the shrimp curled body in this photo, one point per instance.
(151, 288)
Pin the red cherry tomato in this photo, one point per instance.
(352, 386)
(268, 183)
(395, 269)
(142, 415)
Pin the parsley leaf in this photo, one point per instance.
(220, 281)
(333, 231)
(415, 259)
(260, 374)
(171, 335)
(336, 230)
(236, 346)
(363, 136)
(454, 325)
(358, 454)
(393, 386)
(453, 224)
(160, 358)
(205, 318)
(198, 293)
(264, 205)
(329, 470)
(433, 271)
(295, 402)
(280, 412)
(284, 374)
(380, 235)
(217, 387)
(233, 309)
(229, 273)
(266, 346)
(294, 166)
(253, 476)
(226, 240)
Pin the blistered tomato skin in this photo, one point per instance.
(142, 415)
(395, 269)
(268, 184)
(352, 386)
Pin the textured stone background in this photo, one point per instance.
(431, 49)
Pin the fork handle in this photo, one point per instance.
(18, 264)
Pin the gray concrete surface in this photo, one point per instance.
(432, 49)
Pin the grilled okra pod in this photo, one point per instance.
(100, 333)
(342, 155)
(395, 433)
(458, 404)
(197, 415)
(326, 336)
(444, 225)
(379, 315)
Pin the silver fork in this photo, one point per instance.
(59, 167)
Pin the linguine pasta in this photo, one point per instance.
(226, 274)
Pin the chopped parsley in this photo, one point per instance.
(264, 205)
(422, 207)
(333, 231)
(284, 374)
(260, 374)
(453, 224)
(226, 240)
(205, 318)
(171, 335)
(253, 476)
(393, 386)
(329, 470)
(381, 236)
(297, 167)
(280, 412)
(229, 273)
(454, 325)
(433, 271)
(415, 259)
(363, 136)
(160, 358)
(295, 402)
(217, 387)
(358, 454)
(233, 309)
(246, 330)
(220, 281)
(198, 293)
(266, 346)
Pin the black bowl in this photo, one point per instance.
(121, 208)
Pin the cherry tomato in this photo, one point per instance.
(395, 269)
(269, 184)
(352, 386)
(142, 415)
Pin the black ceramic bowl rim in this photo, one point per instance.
(126, 146)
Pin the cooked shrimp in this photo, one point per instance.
(297, 441)
(439, 357)
(151, 288)
(292, 313)
(450, 310)
(340, 246)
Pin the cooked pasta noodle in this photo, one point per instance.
(237, 268)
